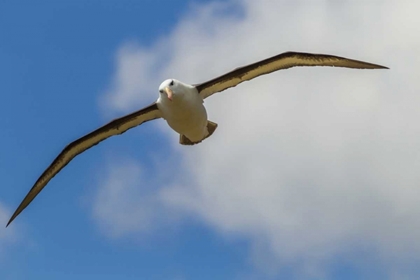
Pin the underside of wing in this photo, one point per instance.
(278, 62)
(117, 126)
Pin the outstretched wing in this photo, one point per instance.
(117, 126)
(278, 62)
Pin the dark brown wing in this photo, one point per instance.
(117, 126)
(278, 62)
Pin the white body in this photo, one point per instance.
(185, 113)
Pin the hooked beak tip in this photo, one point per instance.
(169, 93)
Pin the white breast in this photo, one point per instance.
(186, 113)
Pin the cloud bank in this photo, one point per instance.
(309, 164)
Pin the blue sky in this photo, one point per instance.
(302, 180)
(57, 58)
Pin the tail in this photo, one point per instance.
(211, 127)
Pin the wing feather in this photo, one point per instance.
(115, 127)
(278, 62)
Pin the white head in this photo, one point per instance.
(167, 88)
(172, 89)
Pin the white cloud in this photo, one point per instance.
(308, 164)
(116, 202)
(126, 203)
(133, 77)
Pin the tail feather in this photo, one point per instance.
(183, 140)
(211, 127)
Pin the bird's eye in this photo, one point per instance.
(172, 83)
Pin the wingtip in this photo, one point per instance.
(10, 221)
(13, 217)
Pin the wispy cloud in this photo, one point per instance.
(7, 235)
(309, 164)
(127, 202)
(133, 76)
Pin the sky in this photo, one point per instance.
(312, 173)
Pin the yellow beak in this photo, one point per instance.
(169, 93)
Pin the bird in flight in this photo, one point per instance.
(181, 105)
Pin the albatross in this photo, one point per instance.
(181, 105)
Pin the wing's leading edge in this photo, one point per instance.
(278, 62)
(115, 127)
